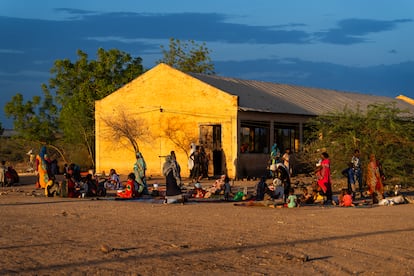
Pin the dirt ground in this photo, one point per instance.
(62, 236)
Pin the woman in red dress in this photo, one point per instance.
(324, 176)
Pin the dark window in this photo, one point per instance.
(287, 136)
(254, 137)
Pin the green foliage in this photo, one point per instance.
(79, 84)
(12, 150)
(188, 57)
(34, 120)
(67, 109)
(384, 130)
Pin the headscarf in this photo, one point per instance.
(140, 160)
(170, 165)
(274, 154)
(42, 152)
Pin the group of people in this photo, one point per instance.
(46, 170)
(374, 179)
(198, 162)
(73, 185)
(374, 176)
(8, 175)
(280, 188)
(276, 158)
(279, 168)
(136, 184)
(172, 172)
(322, 191)
(221, 186)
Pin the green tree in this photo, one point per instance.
(382, 129)
(188, 57)
(35, 120)
(67, 110)
(79, 84)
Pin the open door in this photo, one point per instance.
(210, 139)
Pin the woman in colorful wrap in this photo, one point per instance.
(374, 179)
(324, 176)
(42, 169)
(139, 170)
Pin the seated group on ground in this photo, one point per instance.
(278, 193)
(220, 187)
(76, 186)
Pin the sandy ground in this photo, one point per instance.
(61, 236)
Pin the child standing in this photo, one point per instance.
(227, 188)
(292, 200)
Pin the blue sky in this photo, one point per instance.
(355, 45)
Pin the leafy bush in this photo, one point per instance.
(384, 130)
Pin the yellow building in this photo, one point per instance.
(173, 111)
(236, 121)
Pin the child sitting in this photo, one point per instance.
(129, 191)
(346, 199)
(306, 197)
(317, 197)
(341, 195)
(292, 200)
(113, 182)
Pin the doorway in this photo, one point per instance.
(210, 139)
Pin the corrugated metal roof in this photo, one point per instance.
(290, 99)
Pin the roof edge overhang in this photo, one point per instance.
(255, 110)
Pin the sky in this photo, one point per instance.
(363, 46)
